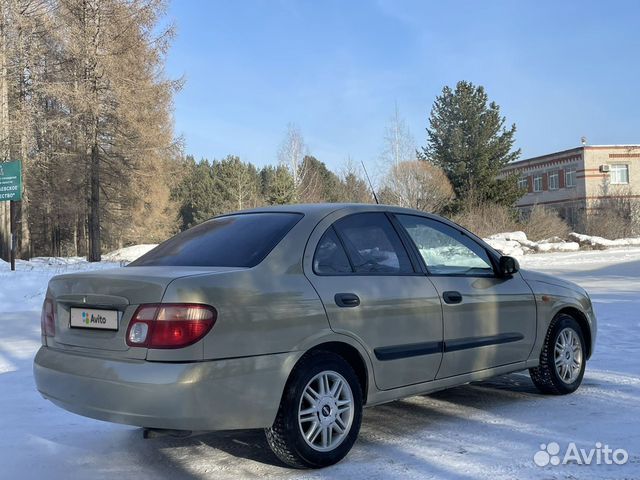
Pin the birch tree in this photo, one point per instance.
(291, 155)
(399, 144)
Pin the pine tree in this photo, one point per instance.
(319, 184)
(238, 184)
(197, 195)
(353, 187)
(468, 139)
(277, 185)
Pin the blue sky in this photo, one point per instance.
(559, 70)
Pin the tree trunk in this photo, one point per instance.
(4, 129)
(94, 254)
(23, 246)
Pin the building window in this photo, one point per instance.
(554, 180)
(619, 174)
(523, 183)
(570, 178)
(537, 183)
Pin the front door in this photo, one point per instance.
(488, 320)
(372, 291)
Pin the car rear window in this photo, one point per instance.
(230, 241)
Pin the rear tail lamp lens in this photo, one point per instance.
(170, 325)
(48, 318)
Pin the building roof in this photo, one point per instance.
(564, 153)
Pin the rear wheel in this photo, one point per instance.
(562, 361)
(320, 413)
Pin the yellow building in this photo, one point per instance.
(573, 181)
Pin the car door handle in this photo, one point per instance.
(347, 300)
(452, 297)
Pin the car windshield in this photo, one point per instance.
(242, 240)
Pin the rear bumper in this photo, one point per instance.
(213, 395)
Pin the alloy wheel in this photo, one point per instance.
(326, 411)
(568, 355)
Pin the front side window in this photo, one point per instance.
(445, 250)
(570, 178)
(537, 183)
(554, 181)
(619, 174)
(372, 244)
(231, 241)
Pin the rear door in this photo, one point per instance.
(372, 291)
(489, 321)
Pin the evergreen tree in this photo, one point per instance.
(353, 187)
(238, 184)
(468, 139)
(196, 194)
(319, 183)
(277, 185)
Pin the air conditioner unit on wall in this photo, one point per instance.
(604, 168)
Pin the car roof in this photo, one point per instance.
(320, 210)
(317, 211)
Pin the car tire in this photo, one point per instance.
(563, 358)
(308, 403)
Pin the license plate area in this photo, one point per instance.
(94, 318)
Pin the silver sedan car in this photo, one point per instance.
(294, 318)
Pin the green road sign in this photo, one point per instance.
(11, 181)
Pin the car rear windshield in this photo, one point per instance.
(231, 241)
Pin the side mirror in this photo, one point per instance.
(508, 266)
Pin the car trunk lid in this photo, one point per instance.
(119, 290)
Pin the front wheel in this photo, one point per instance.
(563, 358)
(320, 413)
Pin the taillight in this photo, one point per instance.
(48, 318)
(170, 325)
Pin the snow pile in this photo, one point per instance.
(602, 243)
(42, 261)
(518, 236)
(129, 254)
(557, 247)
(516, 244)
(506, 247)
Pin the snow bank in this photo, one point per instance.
(557, 247)
(515, 236)
(516, 244)
(506, 247)
(602, 243)
(129, 254)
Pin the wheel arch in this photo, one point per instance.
(581, 318)
(352, 356)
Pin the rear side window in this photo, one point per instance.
(372, 244)
(231, 241)
(330, 257)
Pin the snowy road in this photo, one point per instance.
(484, 430)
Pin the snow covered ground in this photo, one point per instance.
(490, 429)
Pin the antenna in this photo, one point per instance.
(370, 185)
